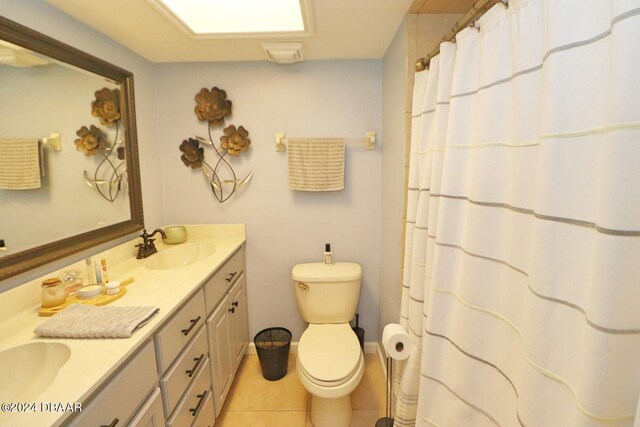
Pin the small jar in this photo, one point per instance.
(53, 293)
(112, 288)
(71, 282)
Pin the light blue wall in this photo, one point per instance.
(311, 99)
(284, 227)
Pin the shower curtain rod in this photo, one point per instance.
(478, 9)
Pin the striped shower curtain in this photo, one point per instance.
(521, 285)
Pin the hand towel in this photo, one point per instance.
(87, 321)
(20, 164)
(316, 164)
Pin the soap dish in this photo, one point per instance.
(175, 234)
(89, 291)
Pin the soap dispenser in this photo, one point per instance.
(328, 256)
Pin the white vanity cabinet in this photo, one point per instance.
(227, 324)
(130, 397)
(196, 363)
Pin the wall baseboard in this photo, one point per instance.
(369, 348)
(382, 357)
(372, 347)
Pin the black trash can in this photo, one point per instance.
(272, 345)
(359, 332)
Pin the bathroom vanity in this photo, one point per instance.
(177, 369)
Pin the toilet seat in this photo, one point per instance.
(329, 354)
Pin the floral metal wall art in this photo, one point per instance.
(93, 141)
(212, 106)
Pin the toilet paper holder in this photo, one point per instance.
(397, 346)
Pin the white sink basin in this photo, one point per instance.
(27, 370)
(180, 256)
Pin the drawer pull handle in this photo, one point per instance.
(185, 332)
(191, 371)
(200, 397)
(232, 310)
(231, 276)
(113, 423)
(235, 303)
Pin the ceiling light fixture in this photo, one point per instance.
(238, 18)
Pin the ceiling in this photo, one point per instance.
(341, 29)
(441, 6)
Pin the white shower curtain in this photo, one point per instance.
(521, 285)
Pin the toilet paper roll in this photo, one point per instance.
(396, 341)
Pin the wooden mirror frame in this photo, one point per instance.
(13, 264)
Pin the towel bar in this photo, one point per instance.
(369, 140)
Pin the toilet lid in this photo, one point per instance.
(329, 352)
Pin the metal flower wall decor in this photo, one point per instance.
(212, 106)
(93, 141)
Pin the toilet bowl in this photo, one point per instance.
(330, 365)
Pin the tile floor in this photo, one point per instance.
(256, 402)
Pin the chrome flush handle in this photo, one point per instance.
(303, 286)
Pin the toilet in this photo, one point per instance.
(330, 363)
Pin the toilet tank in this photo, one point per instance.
(327, 293)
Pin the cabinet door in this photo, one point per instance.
(238, 323)
(219, 352)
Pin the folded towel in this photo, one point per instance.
(20, 164)
(87, 321)
(316, 164)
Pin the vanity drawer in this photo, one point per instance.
(178, 377)
(179, 330)
(194, 400)
(221, 281)
(207, 416)
(150, 415)
(123, 393)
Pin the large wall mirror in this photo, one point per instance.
(47, 87)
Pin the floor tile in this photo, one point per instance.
(366, 418)
(250, 391)
(370, 393)
(362, 418)
(262, 419)
(256, 402)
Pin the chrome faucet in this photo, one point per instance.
(147, 247)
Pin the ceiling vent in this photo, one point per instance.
(283, 53)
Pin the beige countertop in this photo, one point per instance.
(92, 361)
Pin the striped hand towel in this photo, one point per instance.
(20, 164)
(316, 164)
